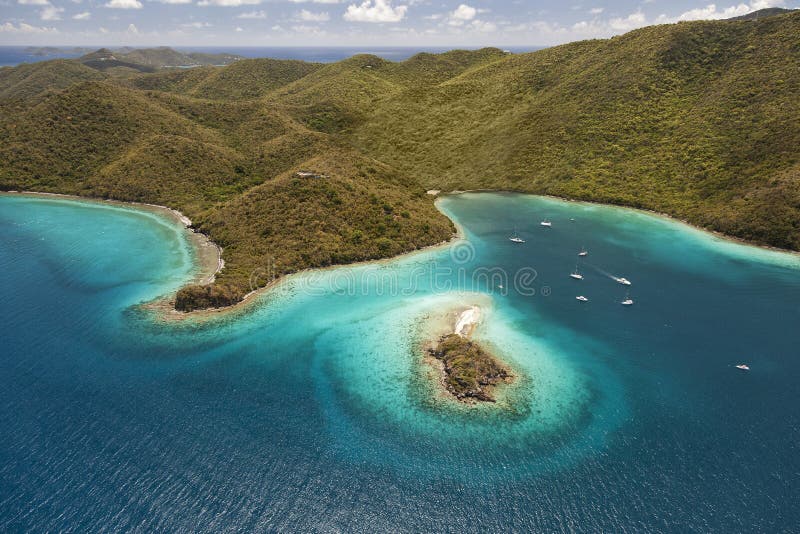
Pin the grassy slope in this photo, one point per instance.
(245, 79)
(32, 79)
(699, 120)
(230, 165)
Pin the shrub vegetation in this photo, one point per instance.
(698, 120)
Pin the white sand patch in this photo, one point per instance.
(467, 321)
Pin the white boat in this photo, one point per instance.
(582, 298)
(516, 238)
(576, 275)
(743, 367)
(546, 223)
(627, 302)
(583, 253)
(623, 281)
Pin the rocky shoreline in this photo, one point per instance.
(470, 373)
(467, 370)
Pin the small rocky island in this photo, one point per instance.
(469, 372)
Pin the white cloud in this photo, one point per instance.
(175, 1)
(614, 26)
(124, 4)
(196, 25)
(632, 21)
(34, 2)
(82, 16)
(596, 10)
(483, 26)
(252, 15)
(132, 29)
(310, 16)
(316, 1)
(228, 3)
(463, 13)
(308, 30)
(464, 17)
(239, 29)
(51, 13)
(377, 11)
(25, 28)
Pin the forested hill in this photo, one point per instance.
(699, 120)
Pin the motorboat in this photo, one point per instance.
(515, 238)
(582, 298)
(743, 367)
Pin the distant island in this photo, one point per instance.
(289, 165)
(44, 51)
(150, 59)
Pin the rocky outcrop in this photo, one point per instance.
(470, 372)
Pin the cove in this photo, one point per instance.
(311, 412)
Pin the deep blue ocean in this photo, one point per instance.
(313, 411)
(14, 55)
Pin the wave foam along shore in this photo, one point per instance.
(467, 321)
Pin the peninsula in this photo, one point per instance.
(289, 165)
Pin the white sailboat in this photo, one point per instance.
(546, 223)
(583, 253)
(628, 301)
(515, 238)
(576, 275)
(743, 367)
(582, 298)
(623, 281)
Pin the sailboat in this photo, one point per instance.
(623, 281)
(582, 298)
(576, 275)
(546, 223)
(743, 367)
(628, 300)
(583, 253)
(515, 238)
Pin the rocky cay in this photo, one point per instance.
(468, 371)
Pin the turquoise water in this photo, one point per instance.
(313, 412)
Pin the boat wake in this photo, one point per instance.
(618, 279)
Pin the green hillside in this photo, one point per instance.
(32, 79)
(698, 120)
(762, 13)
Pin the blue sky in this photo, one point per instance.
(343, 22)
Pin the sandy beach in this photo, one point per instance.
(468, 321)
(207, 255)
